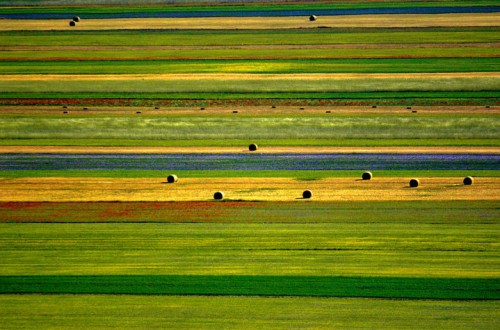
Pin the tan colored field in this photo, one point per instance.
(240, 150)
(367, 21)
(249, 189)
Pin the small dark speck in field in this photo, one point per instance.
(138, 112)
(328, 111)
(414, 111)
(235, 111)
(374, 107)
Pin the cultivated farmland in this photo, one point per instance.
(97, 118)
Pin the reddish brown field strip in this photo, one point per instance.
(292, 22)
(247, 189)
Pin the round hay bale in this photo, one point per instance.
(367, 175)
(172, 178)
(307, 194)
(468, 180)
(414, 183)
(253, 147)
(312, 18)
(219, 195)
(72, 23)
(76, 19)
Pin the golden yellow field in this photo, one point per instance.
(248, 189)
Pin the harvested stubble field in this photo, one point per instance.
(83, 247)
(262, 23)
(54, 189)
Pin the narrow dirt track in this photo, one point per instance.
(244, 150)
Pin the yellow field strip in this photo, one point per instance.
(294, 22)
(249, 189)
(244, 150)
(246, 76)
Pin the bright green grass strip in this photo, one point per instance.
(241, 312)
(316, 286)
(238, 38)
(299, 175)
(261, 142)
(424, 65)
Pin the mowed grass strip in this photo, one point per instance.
(322, 286)
(435, 212)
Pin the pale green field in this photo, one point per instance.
(252, 127)
(199, 83)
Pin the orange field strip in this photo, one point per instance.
(293, 22)
(249, 189)
(243, 149)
